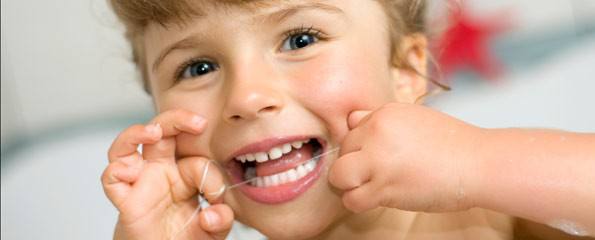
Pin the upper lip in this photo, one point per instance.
(266, 144)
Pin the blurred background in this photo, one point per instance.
(68, 88)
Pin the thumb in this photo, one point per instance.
(217, 220)
(356, 117)
(360, 199)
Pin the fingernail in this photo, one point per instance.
(211, 217)
(198, 121)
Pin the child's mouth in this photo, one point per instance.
(280, 173)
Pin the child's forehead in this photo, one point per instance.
(271, 9)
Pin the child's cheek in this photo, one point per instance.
(190, 144)
(334, 84)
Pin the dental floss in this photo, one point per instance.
(204, 175)
(202, 204)
(202, 201)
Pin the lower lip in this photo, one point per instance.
(281, 193)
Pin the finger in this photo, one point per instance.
(153, 184)
(353, 141)
(161, 151)
(126, 144)
(176, 121)
(202, 174)
(349, 171)
(117, 179)
(361, 198)
(217, 220)
(356, 117)
(173, 122)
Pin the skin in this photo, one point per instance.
(344, 90)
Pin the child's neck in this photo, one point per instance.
(385, 223)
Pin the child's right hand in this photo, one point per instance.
(154, 196)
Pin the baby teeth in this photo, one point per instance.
(286, 148)
(261, 157)
(310, 165)
(274, 179)
(297, 145)
(259, 182)
(290, 175)
(274, 153)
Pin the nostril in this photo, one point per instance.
(235, 117)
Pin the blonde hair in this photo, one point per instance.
(405, 17)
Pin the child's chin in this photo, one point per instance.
(295, 227)
(304, 218)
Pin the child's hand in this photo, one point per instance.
(408, 157)
(153, 196)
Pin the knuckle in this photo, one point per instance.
(103, 176)
(111, 156)
(377, 124)
(107, 173)
(332, 177)
(336, 173)
(351, 203)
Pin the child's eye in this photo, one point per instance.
(300, 38)
(196, 68)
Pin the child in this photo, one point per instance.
(262, 87)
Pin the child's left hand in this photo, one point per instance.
(409, 157)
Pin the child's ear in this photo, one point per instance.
(409, 78)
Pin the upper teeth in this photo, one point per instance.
(274, 153)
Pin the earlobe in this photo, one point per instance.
(410, 77)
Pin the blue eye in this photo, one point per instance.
(300, 40)
(197, 68)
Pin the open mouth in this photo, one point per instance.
(279, 173)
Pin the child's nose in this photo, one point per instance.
(252, 96)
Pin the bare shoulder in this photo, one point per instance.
(529, 230)
(475, 223)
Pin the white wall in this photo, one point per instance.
(63, 62)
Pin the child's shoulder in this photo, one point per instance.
(475, 223)
(478, 223)
(525, 229)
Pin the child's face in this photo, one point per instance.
(264, 75)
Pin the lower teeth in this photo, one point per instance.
(290, 175)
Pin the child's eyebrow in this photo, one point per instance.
(276, 16)
(285, 12)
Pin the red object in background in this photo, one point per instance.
(465, 43)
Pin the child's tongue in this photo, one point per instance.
(286, 162)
